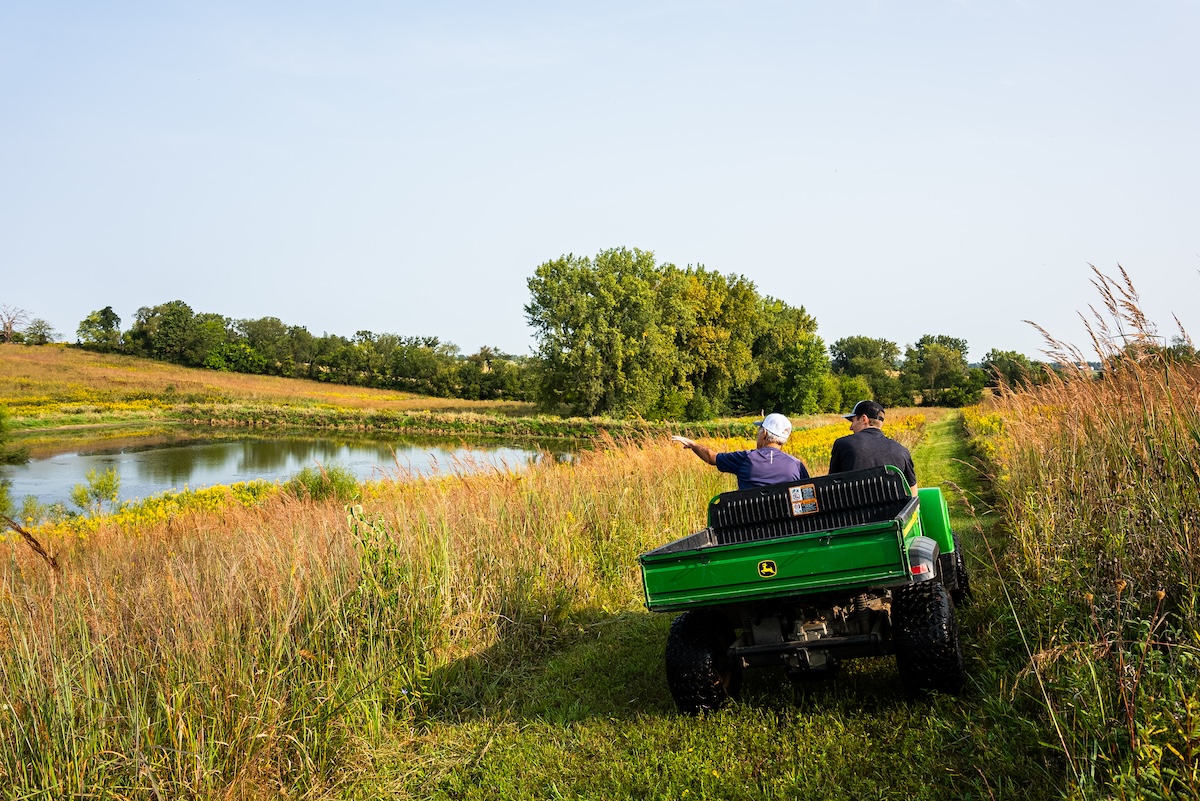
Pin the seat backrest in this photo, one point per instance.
(823, 503)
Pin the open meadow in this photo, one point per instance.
(467, 637)
(56, 394)
(34, 377)
(481, 636)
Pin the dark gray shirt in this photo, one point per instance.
(871, 448)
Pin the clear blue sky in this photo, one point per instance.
(897, 169)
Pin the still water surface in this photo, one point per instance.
(148, 470)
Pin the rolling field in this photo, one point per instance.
(482, 636)
(473, 637)
(54, 379)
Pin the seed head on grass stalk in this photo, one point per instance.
(1100, 484)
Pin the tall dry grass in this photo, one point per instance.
(1098, 480)
(264, 651)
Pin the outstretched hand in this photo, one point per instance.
(684, 441)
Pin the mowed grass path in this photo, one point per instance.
(596, 720)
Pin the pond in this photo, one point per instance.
(150, 467)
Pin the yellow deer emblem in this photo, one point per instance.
(767, 568)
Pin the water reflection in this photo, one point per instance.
(267, 456)
(150, 469)
(179, 465)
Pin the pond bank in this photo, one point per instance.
(46, 433)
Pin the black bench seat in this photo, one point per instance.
(824, 503)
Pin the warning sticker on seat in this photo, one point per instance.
(804, 499)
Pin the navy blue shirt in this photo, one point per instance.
(761, 467)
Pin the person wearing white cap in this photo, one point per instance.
(766, 464)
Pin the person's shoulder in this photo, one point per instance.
(733, 457)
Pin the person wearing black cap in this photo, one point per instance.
(766, 464)
(868, 446)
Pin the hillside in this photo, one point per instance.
(48, 375)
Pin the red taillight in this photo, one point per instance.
(917, 570)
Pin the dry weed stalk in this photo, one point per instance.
(32, 542)
(1113, 459)
(1100, 485)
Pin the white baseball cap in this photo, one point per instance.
(776, 424)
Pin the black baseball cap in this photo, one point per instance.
(868, 407)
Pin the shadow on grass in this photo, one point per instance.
(613, 668)
(596, 704)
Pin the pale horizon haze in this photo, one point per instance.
(896, 169)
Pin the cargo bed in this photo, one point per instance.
(848, 531)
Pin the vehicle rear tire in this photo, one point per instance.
(928, 652)
(699, 671)
(962, 590)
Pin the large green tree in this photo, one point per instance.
(936, 368)
(1008, 367)
(174, 332)
(599, 332)
(789, 360)
(859, 355)
(621, 334)
(100, 330)
(805, 368)
(297, 351)
(714, 320)
(236, 357)
(163, 331)
(39, 332)
(268, 338)
(490, 374)
(877, 361)
(210, 332)
(423, 364)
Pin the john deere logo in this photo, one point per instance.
(767, 568)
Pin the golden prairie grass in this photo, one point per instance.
(1097, 476)
(249, 651)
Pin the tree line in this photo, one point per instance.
(621, 334)
(617, 334)
(173, 332)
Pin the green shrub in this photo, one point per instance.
(101, 488)
(322, 483)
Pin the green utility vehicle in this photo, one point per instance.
(806, 574)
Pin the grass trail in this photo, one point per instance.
(595, 720)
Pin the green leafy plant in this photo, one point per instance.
(322, 483)
(99, 494)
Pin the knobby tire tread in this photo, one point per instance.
(696, 661)
(928, 652)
